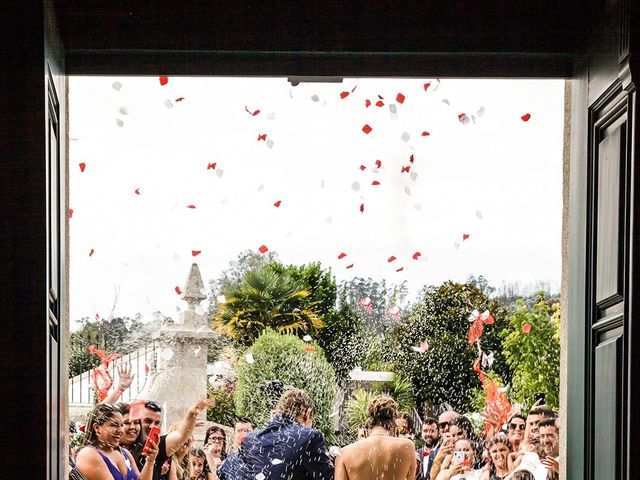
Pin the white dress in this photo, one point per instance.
(470, 475)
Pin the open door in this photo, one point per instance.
(603, 350)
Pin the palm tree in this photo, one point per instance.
(267, 299)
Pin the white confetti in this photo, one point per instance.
(457, 245)
(271, 116)
(119, 122)
(407, 190)
(167, 353)
(393, 109)
(274, 461)
(444, 100)
(176, 257)
(479, 214)
(196, 350)
(219, 172)
(328, 219)
(260, 476)
(405, 137)
(417, 206)
(249, 358)
(124, 111)
(322, 183)
(261, 187)
(221, 299)
(307, 338)
(116, 86)
(269, 143)
(355, 186)
(480, 111)
(334, 450)
(168, 103)
(413, 176)
(315, 98)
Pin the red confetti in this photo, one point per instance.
(378, 163)
(411, 158)
(262, 137)
(463, 118)
(400, 269)
(425, 134)
(137, 191)
(406, 169)
(82, 166)
(526, 328)
(416, 255)
(349, 266)
(362, 208)
(254, 113)
(195, 253)
(391, 259)
(70, 213)
(465, 236)
(341, 256)
(212, 166)
(179, 99)
(308, 348)
(367, 103)
(379, 103)
(277, 204)
(146, 369)
(363, 168)
(375, 182)
(91, 252)
(400, 98)
(426, 86)
(526, 117)
(263, 249)
(367, 129)
(191, 206)
(178, 291)
(344, 95)
(163, 80)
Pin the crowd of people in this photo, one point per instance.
(119, 444)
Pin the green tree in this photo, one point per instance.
(532, 350)
(444, 373)
(267, 299)
(293, 362)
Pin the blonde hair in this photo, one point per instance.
(183, 467)
(294, 402)
(382, 412)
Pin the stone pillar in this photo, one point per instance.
(181, 378)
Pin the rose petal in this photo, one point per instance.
(263, 249)
(349, 266)
(445, 101)
(425, 134)
(400, 98)
(367, 103)
(341, 256)
(479, 214)
(526, 117)
(137, 191)
(375, 182)
(212, 166)
(465, 236)
(391, 259)
(400, 269)
(405, 169)
(362, 208)
(378, 163)
(277, 204)
(178, 291)
(379, 103)
(262, 137)
(363, 168)
(416, 255)
(344, 95)
(179, 99)
(426, 86)
(269, 143)
(195, 253)
(367, 129)
(191, 206)
(91, 252)
(82, 166)
(163, 80)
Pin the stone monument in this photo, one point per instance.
(181, 377)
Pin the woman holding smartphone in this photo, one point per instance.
(459, 464)
(102, 457)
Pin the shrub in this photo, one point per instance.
(290, 360)
(223, 410)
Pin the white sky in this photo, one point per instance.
(500, 168)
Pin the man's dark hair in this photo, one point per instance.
(548, 422)
(153, 406)
(430, 421)
(464, 423)
(242, 420)
(546, 412)
(517, 415)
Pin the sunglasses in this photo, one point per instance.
(443, 425)
(514, 426)
(151, 405)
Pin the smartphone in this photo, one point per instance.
(154, 435)
(459, 457)
(539, 398)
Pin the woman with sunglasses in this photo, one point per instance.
(102, 456)
(515, 428)
(215, 448)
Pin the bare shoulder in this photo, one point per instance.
(88, 454)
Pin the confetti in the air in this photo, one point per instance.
(363, 168)
(70, 213)
(375, 182)
(178, 291)
(349, 266)
(416, 255)
(405, 137)
(271, 116)
(252, 113)
(400, 269)
(263, 249)
(422, 348)
(379, 103)
(119, 122)
(445, 101)
(123, 111)
(179, 99)
(526, 117)
(391, 259)
(344, 95)
(262, 137)
(526, 328)
(480, 111)
(195, 253)
(367, 103)
(249, 358)
(163, 80)
(269, 143)
(260, 476)
(307, 338)
(168, 103)
(400, 98)
(82, 166)
(425, 134)
(362, 208)
(91, 252)
(191, 206)
(479, 214)
(407, 190)
(463, 118)
(465, 236)
(355, 186)
(378, 163)
(341, 256)
(137, 191)
(221, 299)
(413, 176)
(212, 166)
(308, 348)
(393, 109)
(219, 172)
(405, 169)
(116, 86)
(315, 98)
(426, 86)
(367, 129)
(277, 461)
(277, 204)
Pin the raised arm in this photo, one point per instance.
(174, 439)
(125, 377)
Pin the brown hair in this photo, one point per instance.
(294, 402)
(101, 414)
(382, 411)
(522, 475)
